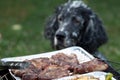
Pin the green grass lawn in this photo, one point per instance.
(110, 14)
(30, 16)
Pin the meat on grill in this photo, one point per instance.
(53, 72)
(58, 66)
(30, 69)
(40, 63)
(30, 76)
(90, 66)
(67, 61)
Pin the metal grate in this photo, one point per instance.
(5, 75)
(114, 68)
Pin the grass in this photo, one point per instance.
(108, 11)
(30, 15)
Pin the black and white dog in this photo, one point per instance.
(75, 24)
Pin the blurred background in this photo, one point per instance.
(22, 24)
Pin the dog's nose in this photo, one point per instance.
(60, 36)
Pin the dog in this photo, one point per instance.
(75, 24)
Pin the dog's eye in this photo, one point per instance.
(75, 19)
(60, 19)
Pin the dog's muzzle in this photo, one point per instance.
(60, 36)
(63, 40)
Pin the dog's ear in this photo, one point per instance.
(51, 25)
(58, 9)
(94, 34)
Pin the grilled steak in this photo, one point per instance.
(90, 66)
(30, 76)
(67, 61)
(40, 63)
(58, 66)
(30, 69)
(53, 72)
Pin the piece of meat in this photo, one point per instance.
(30, 76)
(53, 72)
(58, 66)
(67, 61)
(35, 67)
(40, 63)
(19, 73)
(90, 66)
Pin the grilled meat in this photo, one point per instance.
(30, 76)
(58, 66)
(53, 72)
(90, 66)
(30, 69)
(67, 61)
(40, 63)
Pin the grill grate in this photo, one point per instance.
(114, 68)
(5, 75)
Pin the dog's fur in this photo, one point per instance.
(75, 24)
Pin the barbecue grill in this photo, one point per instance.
(114, 68)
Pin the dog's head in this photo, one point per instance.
(75, 24)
